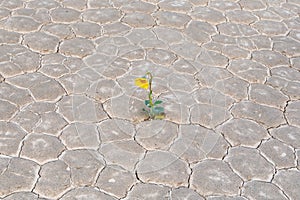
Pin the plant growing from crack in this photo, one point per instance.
(154, 109)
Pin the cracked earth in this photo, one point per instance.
(71, 125)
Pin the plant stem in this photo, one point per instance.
(150, 96)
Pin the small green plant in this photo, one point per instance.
(154, 111)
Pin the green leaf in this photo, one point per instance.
(158, 110)
(147, 103)
(158, 102)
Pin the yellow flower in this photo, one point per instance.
(142, 83)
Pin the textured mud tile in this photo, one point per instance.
(292, 24)
(267, 116)
(243, 132)
(249, 164)
(4, 13)
(28, 61)
(12, 4)
(18, 175)
(84, 165)
(7, 109)
(214, 177)
(41, 42)
(131, 108)
(201, 32)
(138, 35)
(212, 58)
(266, 15)
(233, 87)
(79, 47)
(27, 120)
(252, 5)
(298, 159)
(187, 50)
(14, 94)
(177, 5)
(262, 190)
(293, 113)
(75, 4)
(287, 73)
(48, 4)
(224, 39)
(55, 179)
(267, 95)
(249, 70)
(224, 5)
(157, 44)
(86, 193)
(116, 130)
(246, 43)
(208, 115)
(139, 6)
(125, 153)
(107, 49)
(160, 56)
(177, 112)
(63, 31)
(51, 123)
(74, 83)
(42, 87)
(226, 198)
(181, 82)
(116, 181)
(287, 46)
(148, 192)
(185, 193)
(9, 37)
(102, 15)
(172, 19)
(179, 97)
(41, 107)
(195, 143)
(80, 108)
(236, 30)
(287, 134)
(117, 68)
(98, 4)
(279, 153)
(54, 70)
(104, 89)
(11, 136)
(159, 167)
(157, 134)
(116, 28)
(272, 28)
(294, 34)
(64, 15)
(235, 52)
(209, 76)
(168, 35)
(186, 66)
(41, 148)
(22, 195)
(241, 17)
(80, 136)
(86, 29)
(296, 63)
(283, 12)
(138, 20)
(289, 181)
(211, 96)
(289, 88)
(20, 24)
(209, 15)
